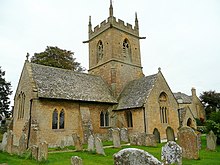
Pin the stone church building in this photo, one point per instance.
(51, 104)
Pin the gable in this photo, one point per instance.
(56, 83)
(136, 92)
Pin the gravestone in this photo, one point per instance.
(62, 144)
(157, 135)
(77, 142)
(124, 134)
(34, 152)
(170, 134)
(22, 143)
(211, 141)
(9, 145)
(134, 156)
(199, 139)
(4, 141)
(98, 146)
(116, 138)
(133, 139)
(75, 160)
(141, 139)
(171, 153)
(110, 134)
(42, 151)
(91, 143)
(188, 140)
(150, 140)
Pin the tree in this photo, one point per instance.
(211, 101)
(5, 91)
(56, 57)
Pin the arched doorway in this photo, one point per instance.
(157, 135)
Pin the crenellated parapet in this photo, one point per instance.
(112, 22)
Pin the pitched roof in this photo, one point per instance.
(185, 98)
(136, 92)
(59, 83)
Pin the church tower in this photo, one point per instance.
(114, 51)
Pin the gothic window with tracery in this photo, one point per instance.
(62, 118)
(58, 119)
(163, 107)
(100, 51)
(126, 49)
(55, 119)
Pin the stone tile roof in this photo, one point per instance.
(59, 83)
(136, 92)
(185, 98)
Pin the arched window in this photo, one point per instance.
(55, 119)
(163, 108)
(104, 119)
(99, 51)
(21, 103)
(126, 49)
(62, 119)
(129, 119)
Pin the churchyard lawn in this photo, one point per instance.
(57, 158)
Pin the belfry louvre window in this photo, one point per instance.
(58, 119)
(129, 119)
(104, 119)
(100, 48)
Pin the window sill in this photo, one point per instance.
(58, 130)
(104, 127)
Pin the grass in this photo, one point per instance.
(89, 158)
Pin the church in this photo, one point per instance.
(51, 104)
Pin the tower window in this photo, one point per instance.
(99, 51)
(126, 49)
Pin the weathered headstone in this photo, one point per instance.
(22, 143)
(151, 140)
(171, 153)
(199, 139)
(116, 138)
(77, 142)
(124, 134)
(141, 139)
(110, 134)
(42, 151)
(134, 156)
(211, 141)
(34, 152)
(133, 139)
(91, 143)
(62, 145)
(9, 145)
(170, 134)
(4, 141)
(98, 146)
(188, 140)
(75, 160)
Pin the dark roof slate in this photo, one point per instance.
(136, 92)
(185, 98)
(59, 83)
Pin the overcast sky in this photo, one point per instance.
(182, 36)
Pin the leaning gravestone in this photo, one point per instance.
(98, 146)
(77, 142)
(42, 151)
(75, 160)
(34, 152)
(116, 138)
(9, 145)
(124, 134)
(188, 140)
(211, 141)
(134, 156)
(22, 143)
(4, 141)
(171, 153)
(91, 143)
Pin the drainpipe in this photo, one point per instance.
(29, 127)
(145, 127)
